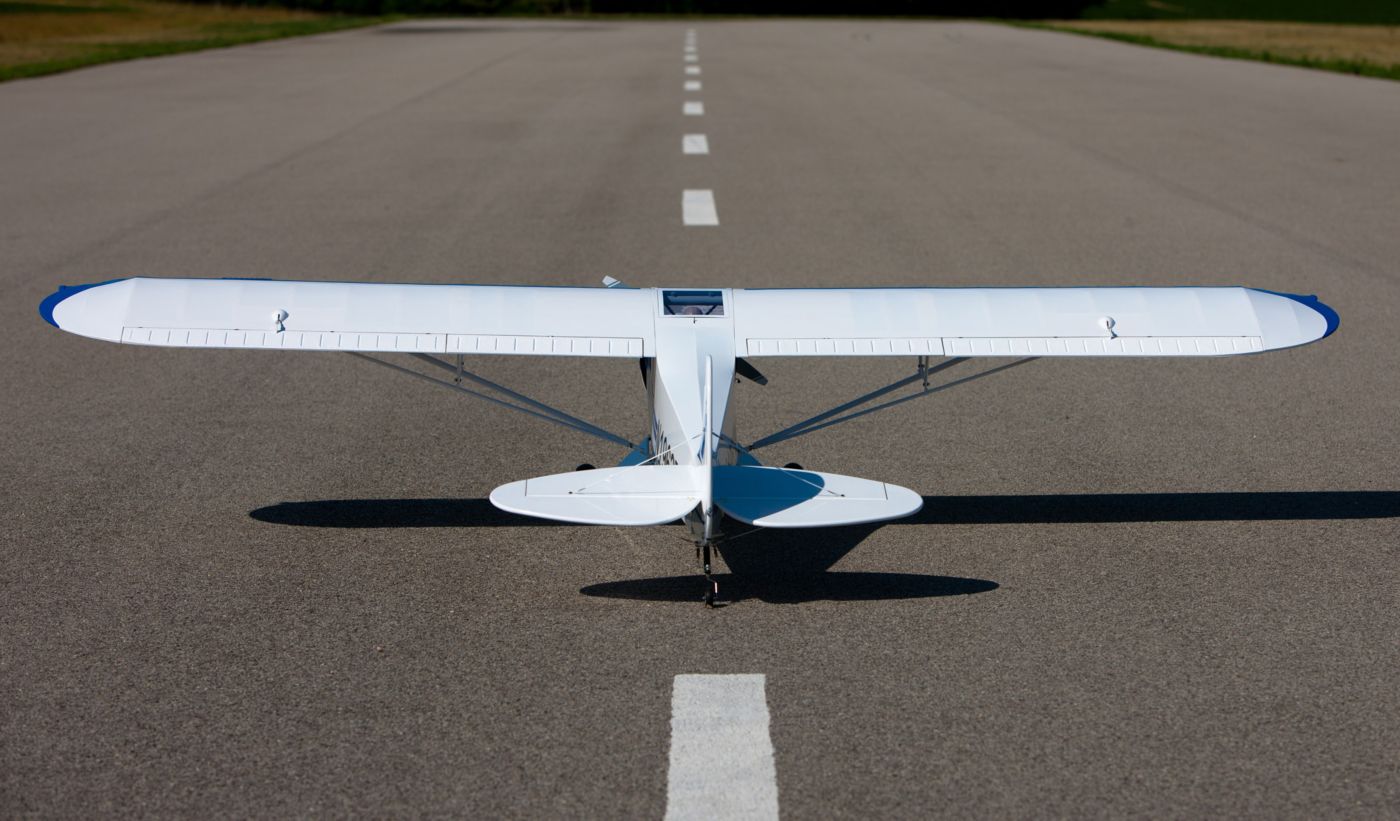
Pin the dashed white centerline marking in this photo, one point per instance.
(695, 144)
(690, 48)
(693, 108)
(692, 58)
(692, 70)
(698, 207)
(692, 85)
(721, 754)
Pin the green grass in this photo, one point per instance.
(1365, 12)
(50, 8)
(111, 43)
(1358, 67)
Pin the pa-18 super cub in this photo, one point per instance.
(692, 344)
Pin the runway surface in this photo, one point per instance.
(257, 584)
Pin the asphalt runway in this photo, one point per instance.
(263, 584)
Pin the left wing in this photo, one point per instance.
(349, 316)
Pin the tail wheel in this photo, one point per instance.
(793, 466)
(585, 466)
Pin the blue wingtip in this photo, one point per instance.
(51, 301)
(1311, 300)
(64, 291)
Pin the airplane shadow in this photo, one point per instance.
(1087, 508)
(1104, 508)
(787, 566)
(791, 566)
(395, 513)
(793, 589)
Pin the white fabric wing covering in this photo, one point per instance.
(563, 321)
(1024, 321)
(347, 316)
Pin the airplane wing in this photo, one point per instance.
(346, 316)
(1185, 321)
(567, 321)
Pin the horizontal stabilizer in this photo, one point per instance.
(782, 497)
(635, 496)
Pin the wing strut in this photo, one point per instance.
(825, 420)
(537, 409)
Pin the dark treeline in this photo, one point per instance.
(878, 8)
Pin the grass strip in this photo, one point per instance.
(218, 35)
(1362, 68)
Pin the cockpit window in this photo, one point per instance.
(692, 303)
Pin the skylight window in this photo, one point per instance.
(692, 303)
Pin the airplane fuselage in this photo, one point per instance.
(691, 421)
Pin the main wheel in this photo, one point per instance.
(793, 466)
(585, 466)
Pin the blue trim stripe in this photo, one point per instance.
(64, 291)
(1311, 300)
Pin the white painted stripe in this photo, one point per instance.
(721, 753)
(695, 144)
(692, 85)
(692, 58)
(693, 108)
(698, 207)
(689, 48)
(694, 71)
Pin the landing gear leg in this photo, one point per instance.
(711, 586)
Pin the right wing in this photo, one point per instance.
(350, 316)
(1121, 321)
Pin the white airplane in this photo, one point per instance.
(692, 344)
